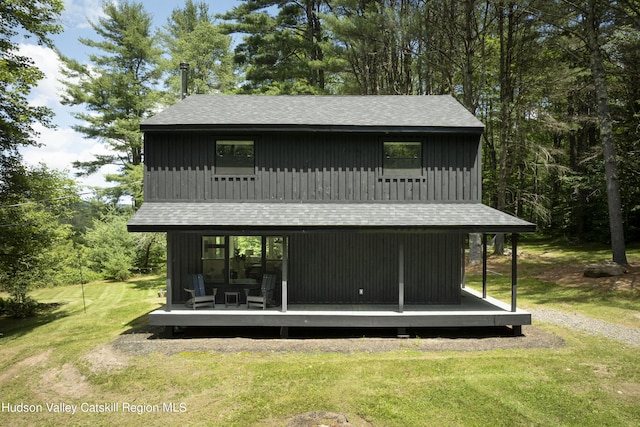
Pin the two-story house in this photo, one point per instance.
(359, 205)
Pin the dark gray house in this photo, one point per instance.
(359, 205)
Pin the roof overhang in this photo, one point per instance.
(305, 217)
(293, 128)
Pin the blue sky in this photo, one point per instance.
(62, 146)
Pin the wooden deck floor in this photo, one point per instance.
(473, 311)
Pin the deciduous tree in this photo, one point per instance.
(18, 74)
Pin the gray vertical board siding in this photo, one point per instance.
(432, 268)
(331, 268)
(187, 260)
(318, 167)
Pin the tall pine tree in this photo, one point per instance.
(117, 91)
(283, 52)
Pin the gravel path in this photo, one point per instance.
(627, 335)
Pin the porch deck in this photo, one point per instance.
(473, 311)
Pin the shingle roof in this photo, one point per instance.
(464, 217)
(316, 111)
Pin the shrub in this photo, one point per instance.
(20, 308)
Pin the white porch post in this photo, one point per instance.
(285, 268)
(514, 270)
(169, 271)
(484, 266)
(401, 276)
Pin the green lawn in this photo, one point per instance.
(588, 382)
(542, 262)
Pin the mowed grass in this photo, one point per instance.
(550, 276)
(588, 382)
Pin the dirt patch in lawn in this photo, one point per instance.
(572, 275)
(106, 359)
(65, 381)
(24, 365)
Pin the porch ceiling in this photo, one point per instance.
(309, 217)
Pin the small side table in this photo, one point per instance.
(232, 298)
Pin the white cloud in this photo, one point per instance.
(62, 146)
(47, 93)
(78, 13)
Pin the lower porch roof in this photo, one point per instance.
(325, 216)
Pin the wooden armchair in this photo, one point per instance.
(266, 293)
(199, 298)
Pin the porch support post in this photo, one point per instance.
(484, 266)
(285, 270)
(169, 271)
(401, 276)
(514, 270)
(463, 264)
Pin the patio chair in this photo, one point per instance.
(199, 298)
(266, 292)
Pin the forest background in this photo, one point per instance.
(555, 82)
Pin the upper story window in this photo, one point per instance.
(235, 157)
(402, 159)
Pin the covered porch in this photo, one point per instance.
(474, 310)
(406, 265)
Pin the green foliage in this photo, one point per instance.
(18, 74)
(115, 253)
(191, 36)
(281, 54)
(111, 249)
(19, 307)
(35, 241)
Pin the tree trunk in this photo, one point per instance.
(475, 248)
(506, 98)
(592, 27)
(467, 64)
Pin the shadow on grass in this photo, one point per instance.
(541, 292)
(148, 283)
(303, 333)
(47, 313)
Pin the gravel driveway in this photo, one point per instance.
(630, 336)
